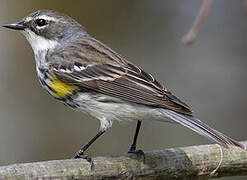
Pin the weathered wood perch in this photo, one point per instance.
(177, 163)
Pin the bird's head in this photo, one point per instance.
(45, 29)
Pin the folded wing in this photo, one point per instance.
(122, 80)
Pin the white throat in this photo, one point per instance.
(39, 43)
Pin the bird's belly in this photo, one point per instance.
(102, 106)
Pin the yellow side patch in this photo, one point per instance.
(61, 89)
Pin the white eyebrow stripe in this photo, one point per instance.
(48, 18)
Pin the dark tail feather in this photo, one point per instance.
(202, 129)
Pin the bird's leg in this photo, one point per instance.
(80, 153)
(133, 146)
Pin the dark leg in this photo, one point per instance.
(133, 146)
(80, 153)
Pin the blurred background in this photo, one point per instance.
(209, 75)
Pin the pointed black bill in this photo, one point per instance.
(15, 26)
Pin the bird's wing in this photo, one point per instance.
(120, 78)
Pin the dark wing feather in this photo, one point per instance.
(120, 78)
(124, 84)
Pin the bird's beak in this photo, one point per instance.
(15, 26)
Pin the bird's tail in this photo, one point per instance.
(202, 129)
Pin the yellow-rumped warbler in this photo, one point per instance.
(87, 75)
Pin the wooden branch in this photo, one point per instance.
(179, 163)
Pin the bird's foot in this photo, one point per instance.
(88, 158)
(138, 152)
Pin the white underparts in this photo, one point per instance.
(39, 43)
(108, 109)
(105, 124)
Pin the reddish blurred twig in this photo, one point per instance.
(191, 35)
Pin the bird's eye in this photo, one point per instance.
(41, 22)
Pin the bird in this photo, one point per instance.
(87, 75)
